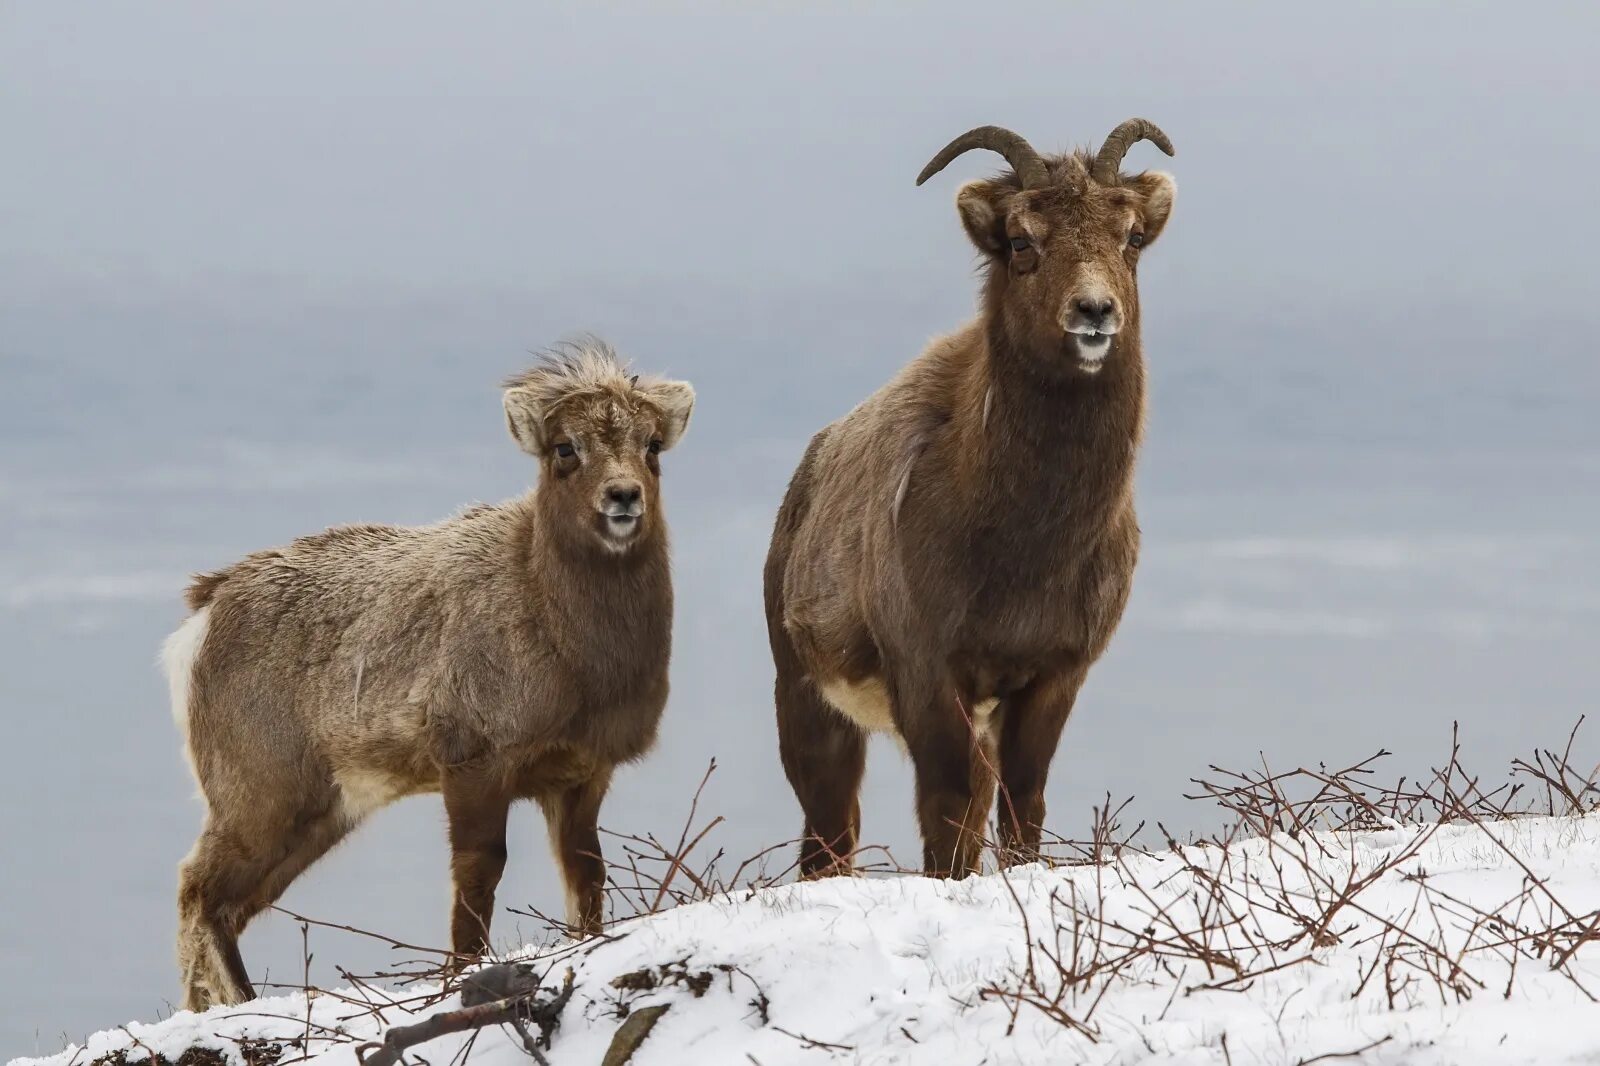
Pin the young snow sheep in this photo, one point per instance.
(509, 652)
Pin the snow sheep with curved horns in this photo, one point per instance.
(510, 652)
(954, 554)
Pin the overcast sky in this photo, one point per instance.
(262, 265)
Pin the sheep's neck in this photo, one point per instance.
(1054, 449)
(588, 584)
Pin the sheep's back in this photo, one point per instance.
(362, 631)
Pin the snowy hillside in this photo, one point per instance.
(1466, 942)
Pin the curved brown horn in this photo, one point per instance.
(1018, 152)
(1117, 143)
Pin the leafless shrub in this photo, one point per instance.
(1261, 894)
(1250, 919)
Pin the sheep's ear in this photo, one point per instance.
(982, 206)
(525, 419)
(1158, 188)
(675, 399)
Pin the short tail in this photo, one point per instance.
(203, 588)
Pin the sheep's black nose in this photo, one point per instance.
(624, 493)
(1095, 309)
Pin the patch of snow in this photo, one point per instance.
(907, 970)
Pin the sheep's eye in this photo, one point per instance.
(1020, 244)
(655, 447)
(1135, 239)
(566, 450)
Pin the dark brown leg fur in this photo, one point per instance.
(824, 757)
(477, 806)
(573, 817)
(954, 786)
(1030, 731)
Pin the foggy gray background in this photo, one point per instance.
(263, 265)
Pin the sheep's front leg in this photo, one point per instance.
(1029, 733)
(573, 816)
(477, 805)
(955, 782)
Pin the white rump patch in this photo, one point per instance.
(178, 655)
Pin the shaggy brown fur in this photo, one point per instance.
(509, 652)
(954, 554)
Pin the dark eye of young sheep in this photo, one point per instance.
(1135, 239)
(566, 450)
(655, 447)
(1019, 244)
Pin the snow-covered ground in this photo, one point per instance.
(1461, 943)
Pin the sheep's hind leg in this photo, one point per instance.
(217, 876)
(313, 837)
(234, 873)
(824, 757)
